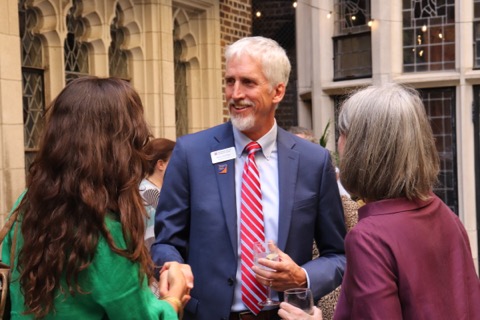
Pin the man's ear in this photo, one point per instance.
(279, 93)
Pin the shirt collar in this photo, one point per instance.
(391, 206)
(267, 142)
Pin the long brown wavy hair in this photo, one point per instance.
(89, 164)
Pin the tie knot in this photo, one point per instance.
(253, 147)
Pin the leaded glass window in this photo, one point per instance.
(76, 51)
(33, 93)
(440, 106)
(352, 42)
(428, 35)
(117, 57)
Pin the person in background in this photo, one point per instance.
(79, 252)
(158, 152)
(304, 133)
(202, 215)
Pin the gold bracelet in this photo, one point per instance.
(177, 303)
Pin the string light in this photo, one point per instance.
(258, 14)
(424, 28)
(329, 15)
(294, 4)
(370, 23)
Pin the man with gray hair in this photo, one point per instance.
(244, 181)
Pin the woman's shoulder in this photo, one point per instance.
(115, 228)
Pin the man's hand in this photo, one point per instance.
(170, 273)
(287, 274)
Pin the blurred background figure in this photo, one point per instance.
(158, 152)
(79, 252)
(304, 133)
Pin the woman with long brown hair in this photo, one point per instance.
(80, 253)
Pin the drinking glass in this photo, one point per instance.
(301, 298)
(267, 250)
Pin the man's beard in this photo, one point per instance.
(243, 122)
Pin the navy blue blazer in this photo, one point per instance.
(196, 218)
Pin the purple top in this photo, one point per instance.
(408, 260)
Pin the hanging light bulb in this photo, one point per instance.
(258, 14)
(294, 4)
(424, 28)
(370, 23)
(329, 15)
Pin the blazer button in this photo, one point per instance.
(231, 281)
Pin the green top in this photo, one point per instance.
(111, 280)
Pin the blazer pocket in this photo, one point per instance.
(305, 203)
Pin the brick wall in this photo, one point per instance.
(277, 22)
(235, 23)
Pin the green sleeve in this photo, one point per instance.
(7, 241)
(115, 284)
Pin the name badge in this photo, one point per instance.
(223, 155)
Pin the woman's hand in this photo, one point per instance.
(289, 312)
(176, 280)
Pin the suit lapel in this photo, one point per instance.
(287, 180)
(225, 174)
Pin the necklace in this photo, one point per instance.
(155, 184)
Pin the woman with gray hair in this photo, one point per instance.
(409, 255)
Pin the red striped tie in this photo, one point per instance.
(251, 229)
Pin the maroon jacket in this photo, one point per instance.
(408, 260)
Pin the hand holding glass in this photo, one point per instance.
(301, 298)
(266, 250)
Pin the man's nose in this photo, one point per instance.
(237, 92)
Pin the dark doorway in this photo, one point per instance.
(275, 19)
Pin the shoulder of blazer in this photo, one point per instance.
(218, 133)
(286, 138)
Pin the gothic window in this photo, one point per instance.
(76, 52)
(33, 94)
(117, 57)
(428, 35)
(352, 43)
(181, 95)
